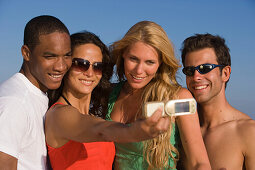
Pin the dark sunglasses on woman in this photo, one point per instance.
(83, 65)
(202, 69)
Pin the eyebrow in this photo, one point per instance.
(48, 53)
(52, 54)
(69, 53)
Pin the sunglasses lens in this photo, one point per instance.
(202, 69)
(189, 71)
(83, 65)
(98, 67)
(205, 68)
(80, 64)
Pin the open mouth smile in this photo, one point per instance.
(137, 78)
(200, 87)
(86, 82)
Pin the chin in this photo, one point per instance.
(201, 100)
(54, 86)
(85, 91)
(137, 86)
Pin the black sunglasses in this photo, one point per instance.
(202, 69)
(83, 65)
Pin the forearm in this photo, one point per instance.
(137, 131)
(124, 133)
(92, 129)
(114, 131)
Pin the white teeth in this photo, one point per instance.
(85, 81)
(138, 78)
(55, 76)
(200, 87)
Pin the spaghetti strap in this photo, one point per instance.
(57, 103)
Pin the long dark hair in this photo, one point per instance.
(99, 96)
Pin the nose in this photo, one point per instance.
(139, 68)
(197, 75)
(89, 72)
(62, 64)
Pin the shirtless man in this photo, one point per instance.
(228, 133)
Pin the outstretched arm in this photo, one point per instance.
(66, 122)
(191, 138)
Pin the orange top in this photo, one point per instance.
(78, 156)
(74, 155)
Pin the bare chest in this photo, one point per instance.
(224, 149)
(126, 110)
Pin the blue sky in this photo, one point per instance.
(110, 19)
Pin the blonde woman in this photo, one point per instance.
(146, 68)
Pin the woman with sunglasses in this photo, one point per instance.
(146, 67)
(84, 91)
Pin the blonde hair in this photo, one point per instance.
(162, 87)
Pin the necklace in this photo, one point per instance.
(66, 100)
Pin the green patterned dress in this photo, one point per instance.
(129, 156)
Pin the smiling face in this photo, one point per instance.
(205, 87)
(141, 62)
(49, 60)
(80, 81)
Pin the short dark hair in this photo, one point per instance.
(201, 41)
(41, 25)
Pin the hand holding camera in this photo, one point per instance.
(172, 107)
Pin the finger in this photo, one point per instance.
(166, 123)
(160, 125)
(155, 116)
(163, 124)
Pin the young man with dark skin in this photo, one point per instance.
(24, 102)
(228, 133)
(23, 99)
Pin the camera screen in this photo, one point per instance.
(181, 107)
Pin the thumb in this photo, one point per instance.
(155, 116)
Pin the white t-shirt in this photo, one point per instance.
(22, 110)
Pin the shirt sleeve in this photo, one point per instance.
(13, 125)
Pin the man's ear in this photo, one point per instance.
(226, 71)
(25, 52)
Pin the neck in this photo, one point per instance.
(214, 112)
(26, 72)
(79, 101)
(128, 90)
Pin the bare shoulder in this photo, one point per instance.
(62, 113)
(61, 118)
(58, 110)
(184, 93)
(245, 129)
(246, 126)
